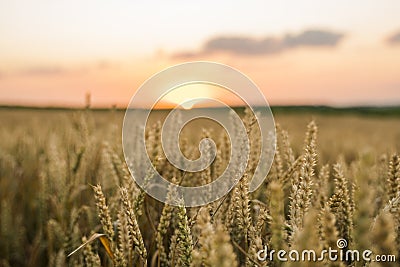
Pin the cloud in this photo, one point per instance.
(394, 39)
(51, 70)
(43, 70)
(313, 38)
(106, 64)
(242, 45)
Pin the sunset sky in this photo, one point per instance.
(298, 52)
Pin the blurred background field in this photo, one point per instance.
(345, 131)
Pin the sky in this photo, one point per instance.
(340, 53)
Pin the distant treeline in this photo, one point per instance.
(359, 110)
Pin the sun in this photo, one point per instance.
(188, 96)
(188, 105)
(198, 95)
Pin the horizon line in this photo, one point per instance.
(118, 108)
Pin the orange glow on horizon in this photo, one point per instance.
(198, 95)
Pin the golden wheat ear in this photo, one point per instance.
(136, 239)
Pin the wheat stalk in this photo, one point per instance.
(340, 204)
(135, 236)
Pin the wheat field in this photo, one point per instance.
(67, 198)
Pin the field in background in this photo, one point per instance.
(49, 159)
(346, 132)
